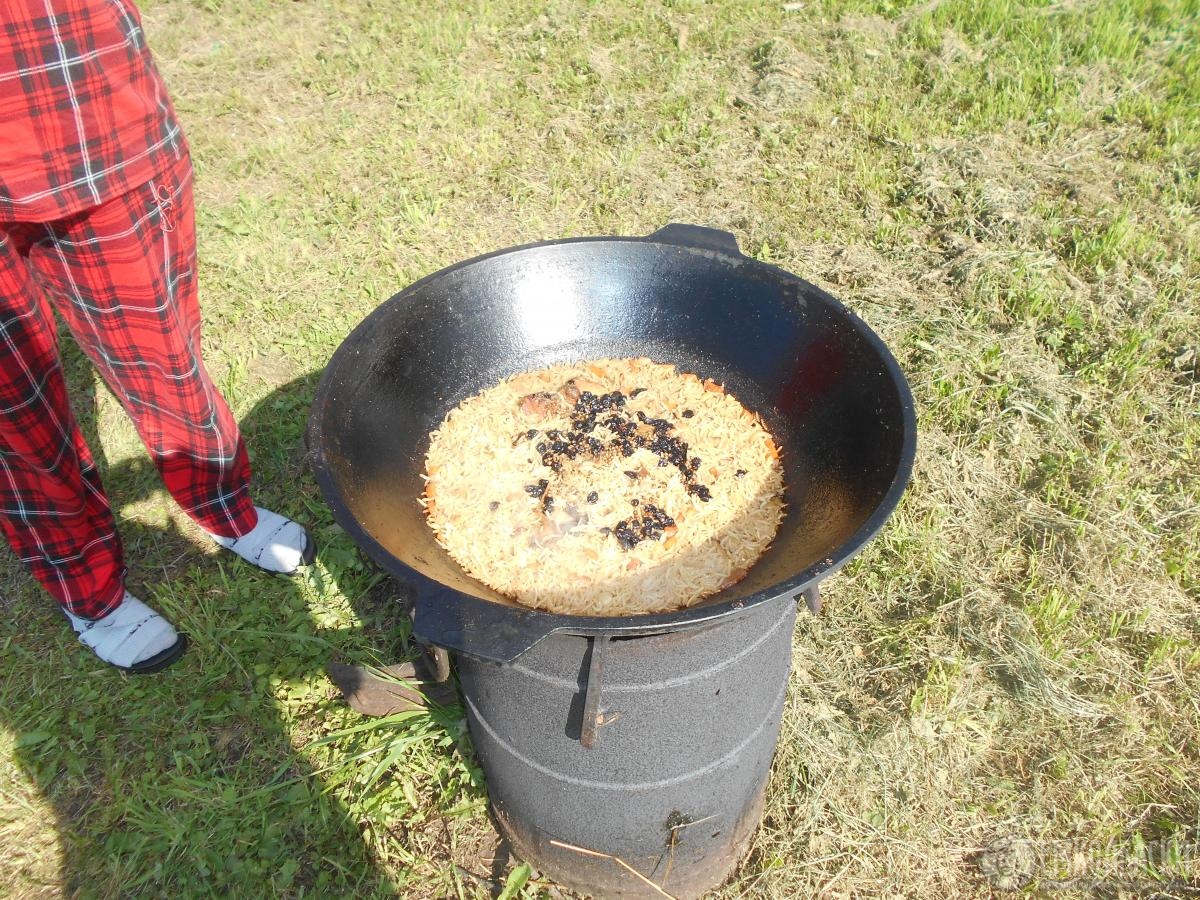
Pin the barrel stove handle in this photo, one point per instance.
(589, 728)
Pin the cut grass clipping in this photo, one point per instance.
(1004, 690)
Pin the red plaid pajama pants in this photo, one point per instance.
(122, 276)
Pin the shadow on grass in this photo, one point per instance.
(191, 781)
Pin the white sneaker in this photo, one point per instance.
(132, 637)
(277, 544)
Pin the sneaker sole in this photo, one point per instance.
(158, 661)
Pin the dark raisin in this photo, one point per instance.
(536, 490)
(541, 447)
(634, 502)
(494, 505)
(631, 474)
(625, 535)
(739, 473)
(687, 413)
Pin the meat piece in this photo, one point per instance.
(575, 387)
(537, 406)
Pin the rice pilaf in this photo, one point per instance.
(610, 487)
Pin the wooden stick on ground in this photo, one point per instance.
(615, 859)
(371, 695)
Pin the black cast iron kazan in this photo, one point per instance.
(825, 385)
(644, 738)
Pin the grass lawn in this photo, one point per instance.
(1005, 686)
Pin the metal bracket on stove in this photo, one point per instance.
(590, 726)
(812, 599)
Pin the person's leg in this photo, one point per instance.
(53, 510)
(52, 507)
(123, 275)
